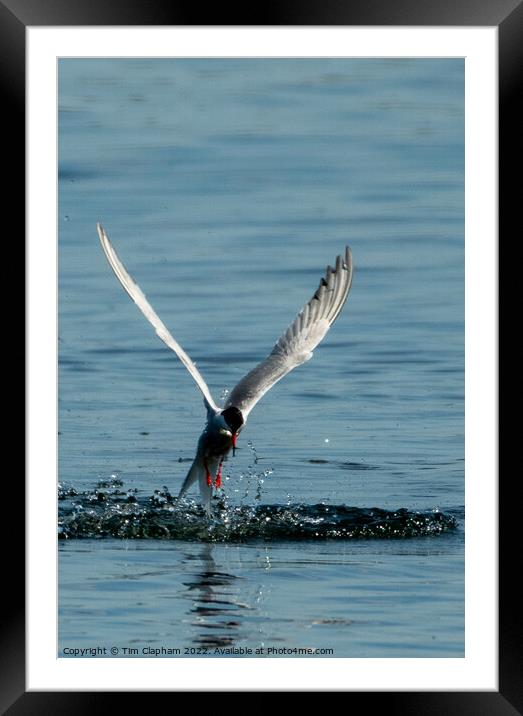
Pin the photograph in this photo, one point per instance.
(261, 346)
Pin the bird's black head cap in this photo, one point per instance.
(234, 418)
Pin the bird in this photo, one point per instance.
(293, 348)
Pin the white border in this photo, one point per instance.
(478, 670)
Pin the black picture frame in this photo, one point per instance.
(507, 16)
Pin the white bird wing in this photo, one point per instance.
(136, 293)
(295, 346)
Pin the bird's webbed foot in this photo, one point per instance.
(218, 479)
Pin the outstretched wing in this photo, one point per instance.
(295, 346)
(136, 293)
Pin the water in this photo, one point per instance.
(220, 183)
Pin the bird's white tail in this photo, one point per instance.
(198, 472)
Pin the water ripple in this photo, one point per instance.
(109, 511)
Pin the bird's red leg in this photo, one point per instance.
(209, 477)
(234, 438)
(218, 481)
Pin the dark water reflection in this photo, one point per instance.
(215, 608)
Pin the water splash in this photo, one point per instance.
(110, 511)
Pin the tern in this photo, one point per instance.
(293, 348)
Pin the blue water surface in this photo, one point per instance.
(227, 186)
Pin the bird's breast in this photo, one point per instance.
(216, 442)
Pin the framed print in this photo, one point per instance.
(349, 541)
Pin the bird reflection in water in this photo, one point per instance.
(216, 610)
